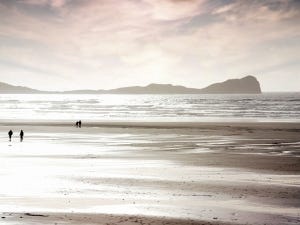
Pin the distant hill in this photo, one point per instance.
(11, 89)
(154, 89)
(246, 85)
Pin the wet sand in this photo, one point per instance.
(150, 173)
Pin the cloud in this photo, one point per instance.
(191, 42)
(52, 3)
(174, 10)
(258, 11)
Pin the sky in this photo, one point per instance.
(104, 44)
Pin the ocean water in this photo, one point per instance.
(186, 108)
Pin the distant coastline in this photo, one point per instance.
(246, 85)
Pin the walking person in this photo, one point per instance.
(21, 135)
(79, 123)
(10, 133)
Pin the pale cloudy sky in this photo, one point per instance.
(102, 44)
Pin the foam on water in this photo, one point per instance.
(263, 107)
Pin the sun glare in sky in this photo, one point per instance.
(103, 44)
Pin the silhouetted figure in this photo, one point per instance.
(79, 123)
(10, 133)
(21, 135)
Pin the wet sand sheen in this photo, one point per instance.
(231, 173)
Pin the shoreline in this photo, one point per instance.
(148, 124)
(95, 218)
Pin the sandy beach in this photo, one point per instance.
(150, 173)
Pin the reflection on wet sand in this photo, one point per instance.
(225, 175)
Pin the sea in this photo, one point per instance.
(266, 107)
